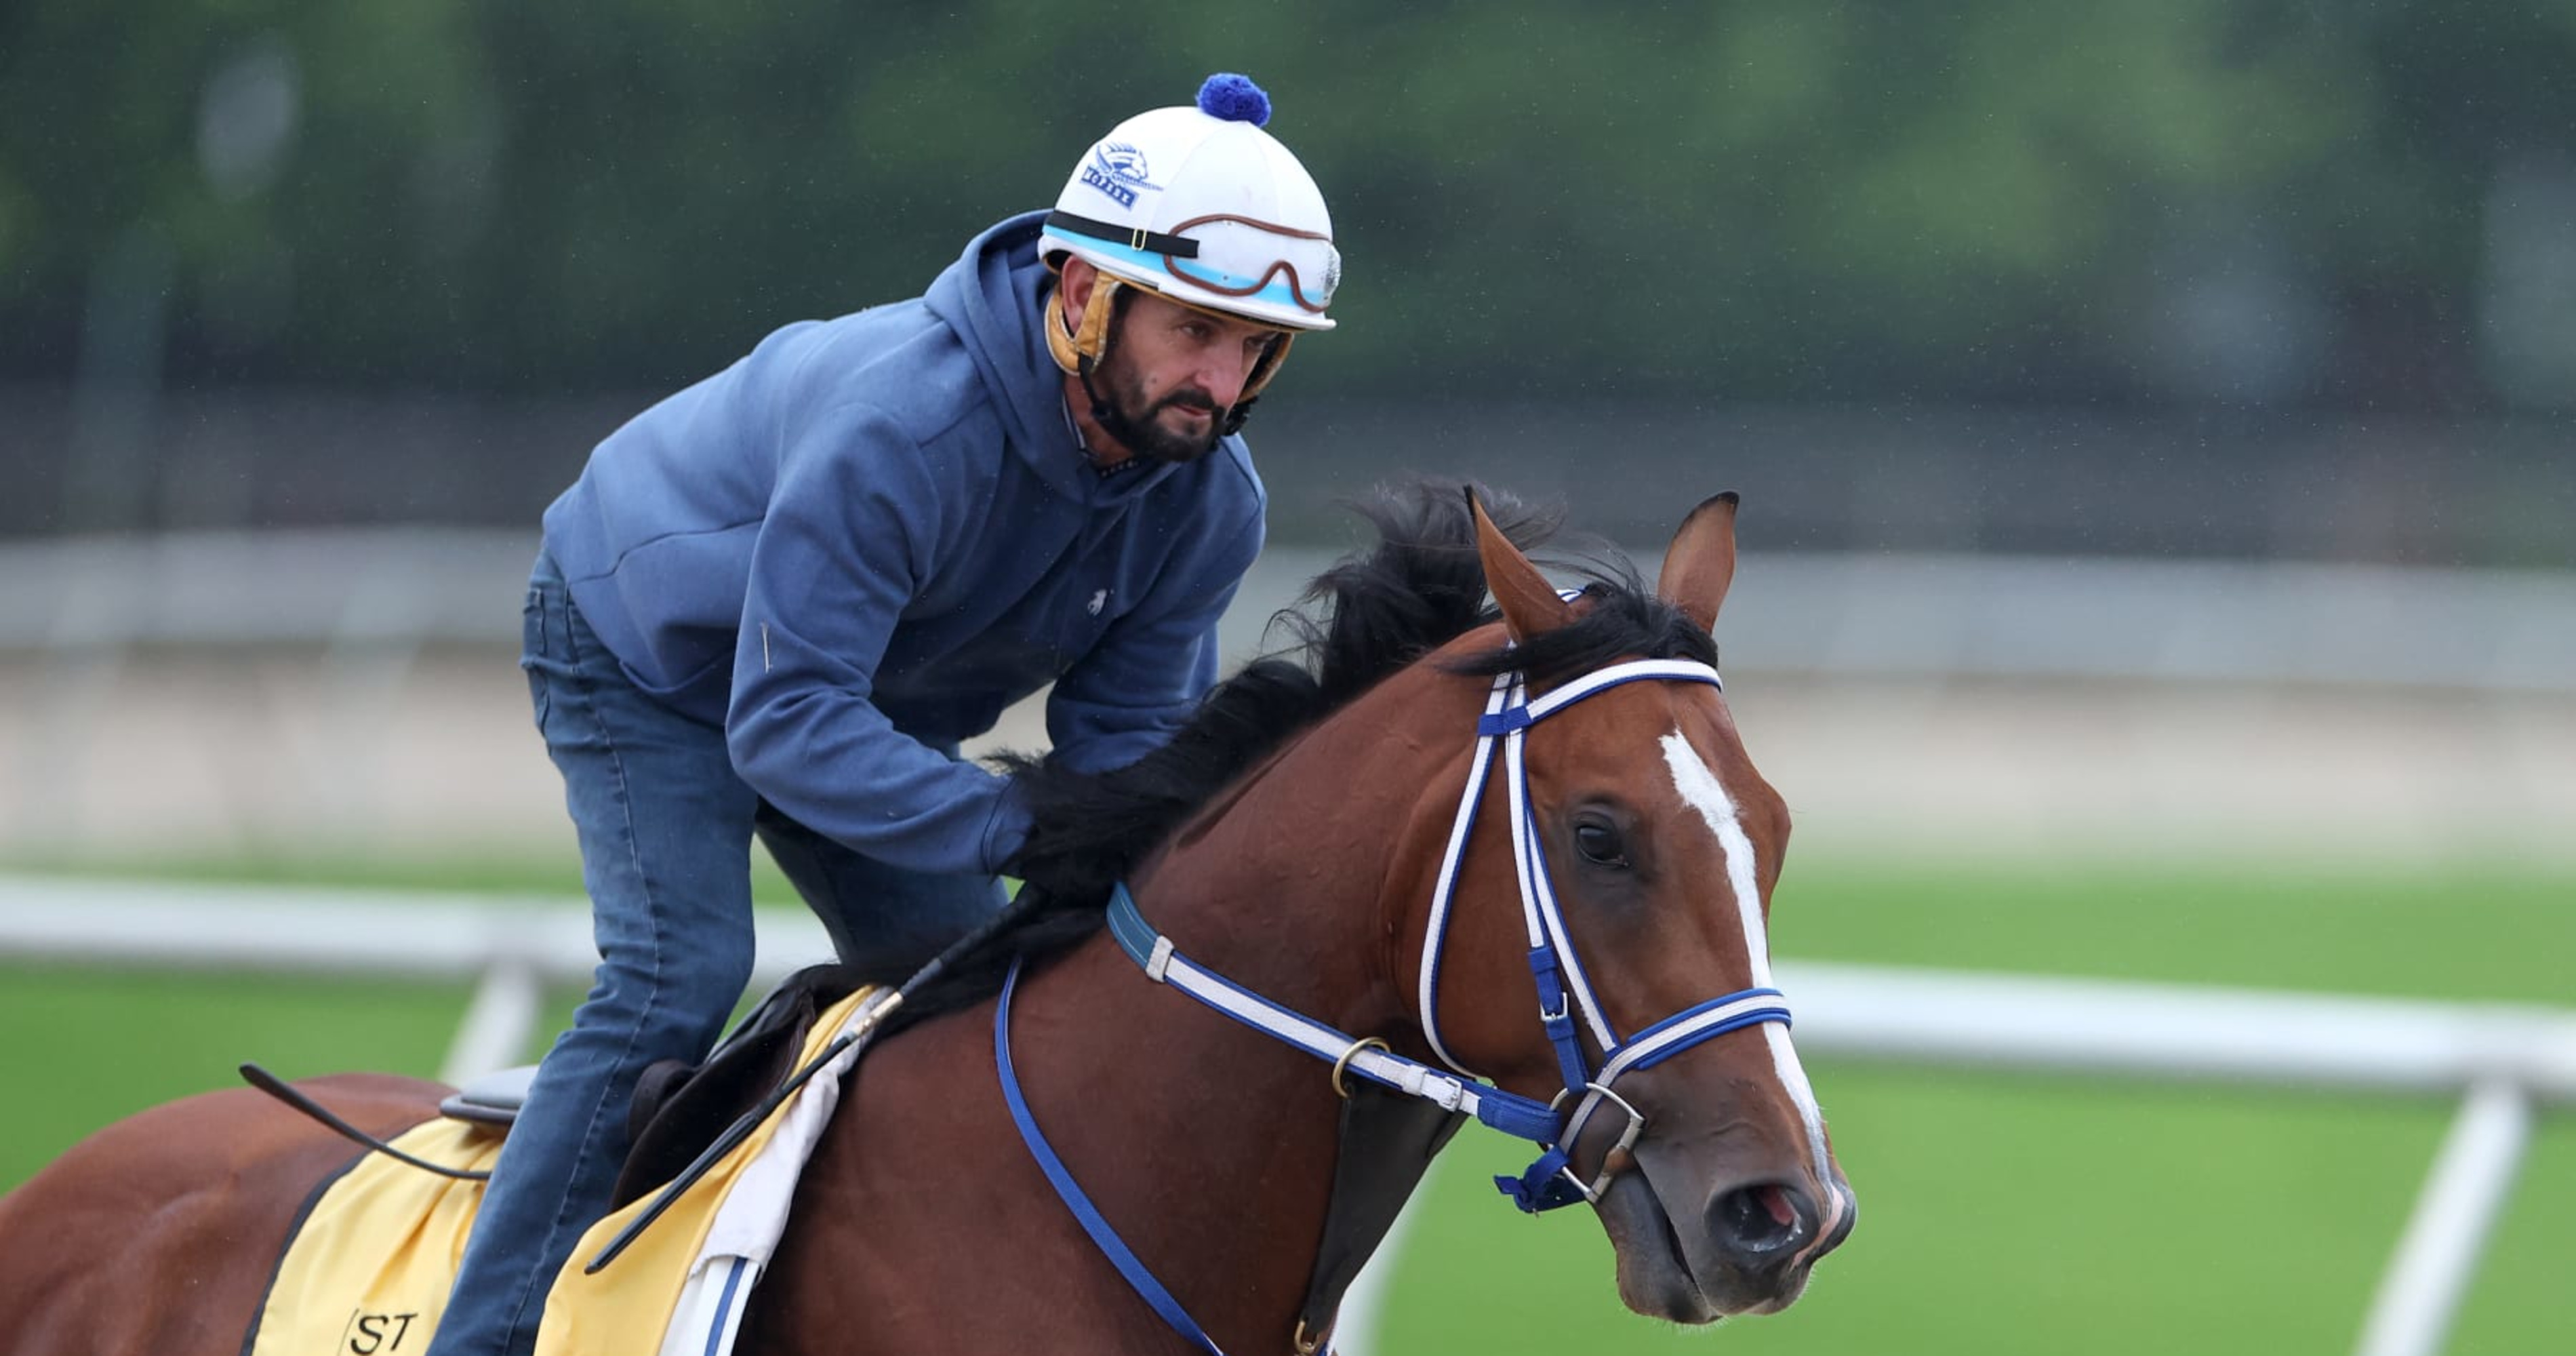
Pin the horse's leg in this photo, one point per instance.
(157, 1235)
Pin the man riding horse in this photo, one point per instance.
(1427, 867)
(776, 602)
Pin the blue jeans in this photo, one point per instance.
(665, 828)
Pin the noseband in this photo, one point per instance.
(1563, 989)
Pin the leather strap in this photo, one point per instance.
(1133, 237)
(1388, 1141)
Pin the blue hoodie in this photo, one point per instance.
(856, 545)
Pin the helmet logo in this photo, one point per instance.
(1118, 170)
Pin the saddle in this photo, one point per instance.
(377, 1244)
(680, 1108)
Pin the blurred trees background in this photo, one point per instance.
(2259, 207)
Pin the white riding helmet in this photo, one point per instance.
(1201, 206)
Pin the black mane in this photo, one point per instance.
(1370, 615)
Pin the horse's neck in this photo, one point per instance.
(1234, 1134)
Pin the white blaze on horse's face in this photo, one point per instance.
(1735, 1193)
(1702, 791)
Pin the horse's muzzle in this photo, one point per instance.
(1745, 1247)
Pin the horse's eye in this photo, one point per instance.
(1599, 843)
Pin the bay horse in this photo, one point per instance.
(1511, 864)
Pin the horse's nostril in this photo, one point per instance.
(1763, 1218)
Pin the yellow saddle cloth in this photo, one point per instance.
(368, 1270)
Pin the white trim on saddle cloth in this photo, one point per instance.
(368, 1270)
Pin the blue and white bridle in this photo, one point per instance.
(1549, 1181)
(1554, 963)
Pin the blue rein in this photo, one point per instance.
(1070, 1192)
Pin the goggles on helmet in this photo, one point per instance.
(1231, 256)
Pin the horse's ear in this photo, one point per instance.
(1701, 562)
(1529, 603)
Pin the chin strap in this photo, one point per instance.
(1078, 350)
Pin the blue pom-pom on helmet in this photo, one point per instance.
(1234, 98)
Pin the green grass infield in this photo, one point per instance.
(2001, 1213)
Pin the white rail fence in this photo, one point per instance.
(2504, 1062)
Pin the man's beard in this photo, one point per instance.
(1125, 413)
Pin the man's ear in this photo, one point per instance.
(1076, 282)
